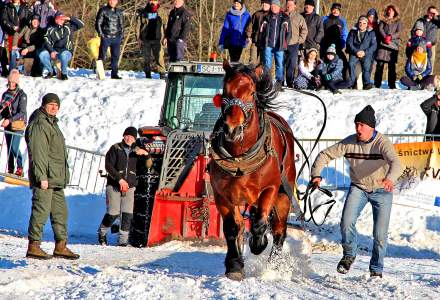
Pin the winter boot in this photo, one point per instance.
(102, 239)
(345, 264)
(375, 274)
(62, 251)
(34, 251)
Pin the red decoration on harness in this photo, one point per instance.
(218, 99)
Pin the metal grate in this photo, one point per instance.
(181, 150)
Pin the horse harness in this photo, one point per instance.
(255, 157)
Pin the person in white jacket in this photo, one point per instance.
(308, 72)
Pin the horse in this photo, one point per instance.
(252, 164)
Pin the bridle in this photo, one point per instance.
(245, 107)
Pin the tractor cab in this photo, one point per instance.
(188, 99)
(173, 198)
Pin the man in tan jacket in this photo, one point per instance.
(297, 38)
(374, 169)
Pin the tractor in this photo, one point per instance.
(173, 198)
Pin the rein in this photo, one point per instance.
(311, 187)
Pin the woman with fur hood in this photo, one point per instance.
(390, 28)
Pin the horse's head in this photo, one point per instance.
(239, 99)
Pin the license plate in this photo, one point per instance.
(214, 69)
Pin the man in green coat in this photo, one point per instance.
(48, 176)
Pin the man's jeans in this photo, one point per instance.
(64, 57)
(366, 64)
(115, 51)
(381, 202)
(279, 57)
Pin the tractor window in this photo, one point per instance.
(189, 101)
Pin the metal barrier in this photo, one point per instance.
(336, 174)
(84, 165)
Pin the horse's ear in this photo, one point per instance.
(259, 71)
(226, 65)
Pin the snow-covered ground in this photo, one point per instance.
(93, 115)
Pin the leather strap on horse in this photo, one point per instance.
(248, 162)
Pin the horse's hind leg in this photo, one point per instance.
(279, 222)
(233, 228)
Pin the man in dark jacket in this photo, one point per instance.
(120, 164)
(13, 112)
(431, 24)
(275, 32)
(335, 32)
(431, 108)
(253, 31)
(176, 33)
(315, 27)
(15, 16)
(110, 27)
(26, 44)
(58, 44)
(48, 176)
(361, 45)
(150, 34)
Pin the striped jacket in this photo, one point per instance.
(60, 38)
(370, 162)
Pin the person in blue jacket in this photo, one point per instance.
(233, 35)
(330, 71)
(335, 32)
(418, 69)
(361, 45)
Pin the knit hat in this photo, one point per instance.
(310, 2)
(239, 1)
(419, 26)
(130, 131)
(336, 6)
(36, 17)
(363, 18)
(331, 49)
(265, 1)
(372, 12)
(276, 2)
(50, 98)
(366, 116)
(421, 44)
(14, 76)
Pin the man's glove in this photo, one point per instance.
(328, 77)
(420, 77)
(220, 48)
(388, 39)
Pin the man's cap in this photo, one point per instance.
(363, 18)
(131, 131)
(59, 14)
(50, 98)
(266, 1)
(276, 2)
(310, 2)
(366, 116)
(336, 6)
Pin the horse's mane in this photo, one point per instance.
(265, 91)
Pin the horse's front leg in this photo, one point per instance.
(233, 227)
(260, 221)
(281, 210)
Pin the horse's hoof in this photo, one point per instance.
(236, 276)
(257, 245)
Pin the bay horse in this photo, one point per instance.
(252, 164)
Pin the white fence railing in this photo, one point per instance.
(84, 165)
